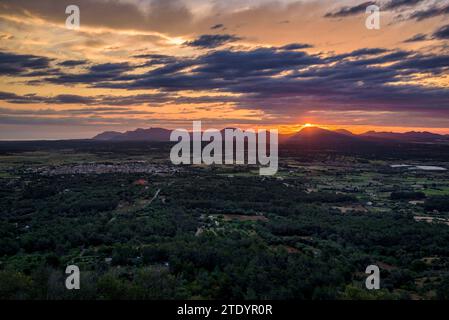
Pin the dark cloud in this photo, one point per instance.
(417, 37)
(80, 111)
(156, 59)
(32, 98)
(155, 99)
(215, 69)
(20, 64)
(72, 63)
(442, 33)
(367, 51)
(395, 4)
(115, 68)
(278, 81)
(61, 120)
(70, 99)
(286, 82)
(13, 98)
(423, 63)
(296, 46)
(217, 26)
(361, 8)
(228, 69)
(430, 13)
(258, 62)
(358, 53)
(141, 99)
(95, 73)
(209, 41)
(349, 11)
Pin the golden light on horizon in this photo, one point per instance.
(287, 129)
(310, 125)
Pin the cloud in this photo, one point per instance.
(20, 64)
(217, 26)
(72, 63)
(156, 59)
(80, 111)
(280, 82)
(66, 121)
(296, 46)
(431, 12)
(155, 15)
(363, 52)
(442, 33)
(140, 99)
(416, 38)
(107, 68)
(283, 83)
(32, 98)
(209, 41)
(95, 73)
(395, 4)
(154, 100)
(350, 11)
(256, 71)
(361, 8)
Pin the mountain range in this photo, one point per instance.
(306, 135)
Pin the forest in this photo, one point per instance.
(218, 232)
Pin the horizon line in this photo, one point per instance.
(323, 127)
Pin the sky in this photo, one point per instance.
(234, 63)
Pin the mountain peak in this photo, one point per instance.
(107, 135)
(140, 134)
(313, 130)
(344, 131)
(317, 135)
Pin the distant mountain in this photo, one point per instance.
(107, 135)
(152, 134)
(315, 135)
(345, 132)
(309, 135)
(411, 136)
